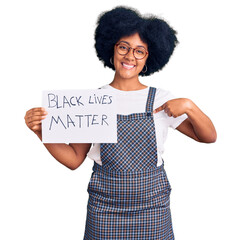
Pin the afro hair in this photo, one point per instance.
(122, 21)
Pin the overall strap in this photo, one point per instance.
(150, 99)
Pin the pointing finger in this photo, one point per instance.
(158, 109)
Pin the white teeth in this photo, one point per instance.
(128, 66)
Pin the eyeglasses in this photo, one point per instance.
(123, 49)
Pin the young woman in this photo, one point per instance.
(129, 190)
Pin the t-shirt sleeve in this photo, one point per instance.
(175, 122)
(162, 97)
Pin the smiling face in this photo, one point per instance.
(127, 66)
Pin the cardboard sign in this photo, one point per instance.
(79, 116)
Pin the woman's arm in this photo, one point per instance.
(70, 155)
(197, 126)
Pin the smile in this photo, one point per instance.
(128, 66)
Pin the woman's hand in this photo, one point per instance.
(175, 107)
(33, 119)
(70, 155)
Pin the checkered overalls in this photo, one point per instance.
(129, 194)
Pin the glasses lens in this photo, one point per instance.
(139, 53)
(122, 49)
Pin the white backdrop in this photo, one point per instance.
(48, 44)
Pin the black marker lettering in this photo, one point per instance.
(52, 99)
(79, 116)
(72, 102)
(103, 119)
(110, 99)
(56, 121)
(93, 119)
(104, 98)
(69, 121)
(65, 101)
(88, 119)
(99, 99)
(78, 101)
(89, 100)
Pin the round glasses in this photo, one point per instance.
(138, 52)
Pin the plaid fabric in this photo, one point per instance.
(136, 147)
(129, 196)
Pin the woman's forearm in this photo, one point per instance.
(202, 125)
(64, 153)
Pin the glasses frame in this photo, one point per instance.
(129, 48)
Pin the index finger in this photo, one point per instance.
(38, 109)
(158, 109)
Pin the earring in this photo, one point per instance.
(145, 69)
(111, 61)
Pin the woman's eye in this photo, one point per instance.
(138, 51)
(123, 47)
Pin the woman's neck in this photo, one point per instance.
(127, 84)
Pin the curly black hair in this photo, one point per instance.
(122, 21)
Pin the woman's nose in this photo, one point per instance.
(130, 55)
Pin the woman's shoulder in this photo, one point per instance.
(162, 96)
(163, 93)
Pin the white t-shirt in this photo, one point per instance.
(135, 102)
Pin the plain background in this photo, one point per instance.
(48, 44)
